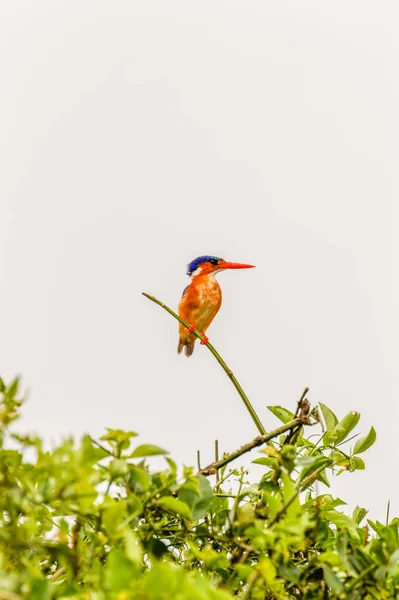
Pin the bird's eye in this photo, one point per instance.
(214, 261)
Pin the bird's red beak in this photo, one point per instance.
(231, 265)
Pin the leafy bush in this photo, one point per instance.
(95, 522)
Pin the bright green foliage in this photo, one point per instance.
(95, 522)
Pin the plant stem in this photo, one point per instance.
(298, 408)
(220, 360)
(251, 581)
(216, 460)
(258, 441)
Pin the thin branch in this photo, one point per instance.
(216, 460)
(258, 441)
(302, 410)
(220, 360)
(387, 514)
(58, 573)
(301, 399)
(93, 441)
(251, 582)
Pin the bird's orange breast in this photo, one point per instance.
(200, 302)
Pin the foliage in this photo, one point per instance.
(95, 522)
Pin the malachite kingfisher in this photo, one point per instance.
(202, 298)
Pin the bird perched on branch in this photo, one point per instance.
(202, 298)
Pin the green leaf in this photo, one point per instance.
(132, 545)
(343, 428)
(365, 442)
(139, 479)
(376, 526)
(317, 463)
(273, 503)
(90, 453)
(329, 417)
(113, 514)
(281, 413)
(322, 476)
(147, 450)
(172, 464)
(330, 557)
(288, 492)
(268, 486)
(81, 493)
(118, 435)
(173, 505)
(268, 570)
(13, 388)
(219, 509)
(333, 582)
(119, 571)
(308, 461)
(157, 548)
(265, 460)
(340, 520)
(118, 468)
(198, 501)
(191, 485)
(356, 464)
(161, 582)
(290, 572)
(359, 514)
(135, 506)
(41, 590)
(244, 571)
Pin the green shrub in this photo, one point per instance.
(95, 522)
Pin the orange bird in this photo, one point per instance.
(202, 298)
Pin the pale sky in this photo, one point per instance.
(139, 135)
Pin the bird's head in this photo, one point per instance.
(205, 265)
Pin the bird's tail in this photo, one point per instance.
(188, 347)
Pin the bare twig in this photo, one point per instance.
(387, 514)
(216, 460)
(301, 399)
(258, 441)
(302, 410)
(220, 360)
(58, 573)
(93, 441)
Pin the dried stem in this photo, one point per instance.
(258, 441)
(216, 460)
(302, 410)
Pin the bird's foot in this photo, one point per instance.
(190, 329)
(204, 341)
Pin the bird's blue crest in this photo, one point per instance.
(194, 264)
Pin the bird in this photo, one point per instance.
(201, 299)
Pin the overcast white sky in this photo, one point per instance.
(136, 136)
